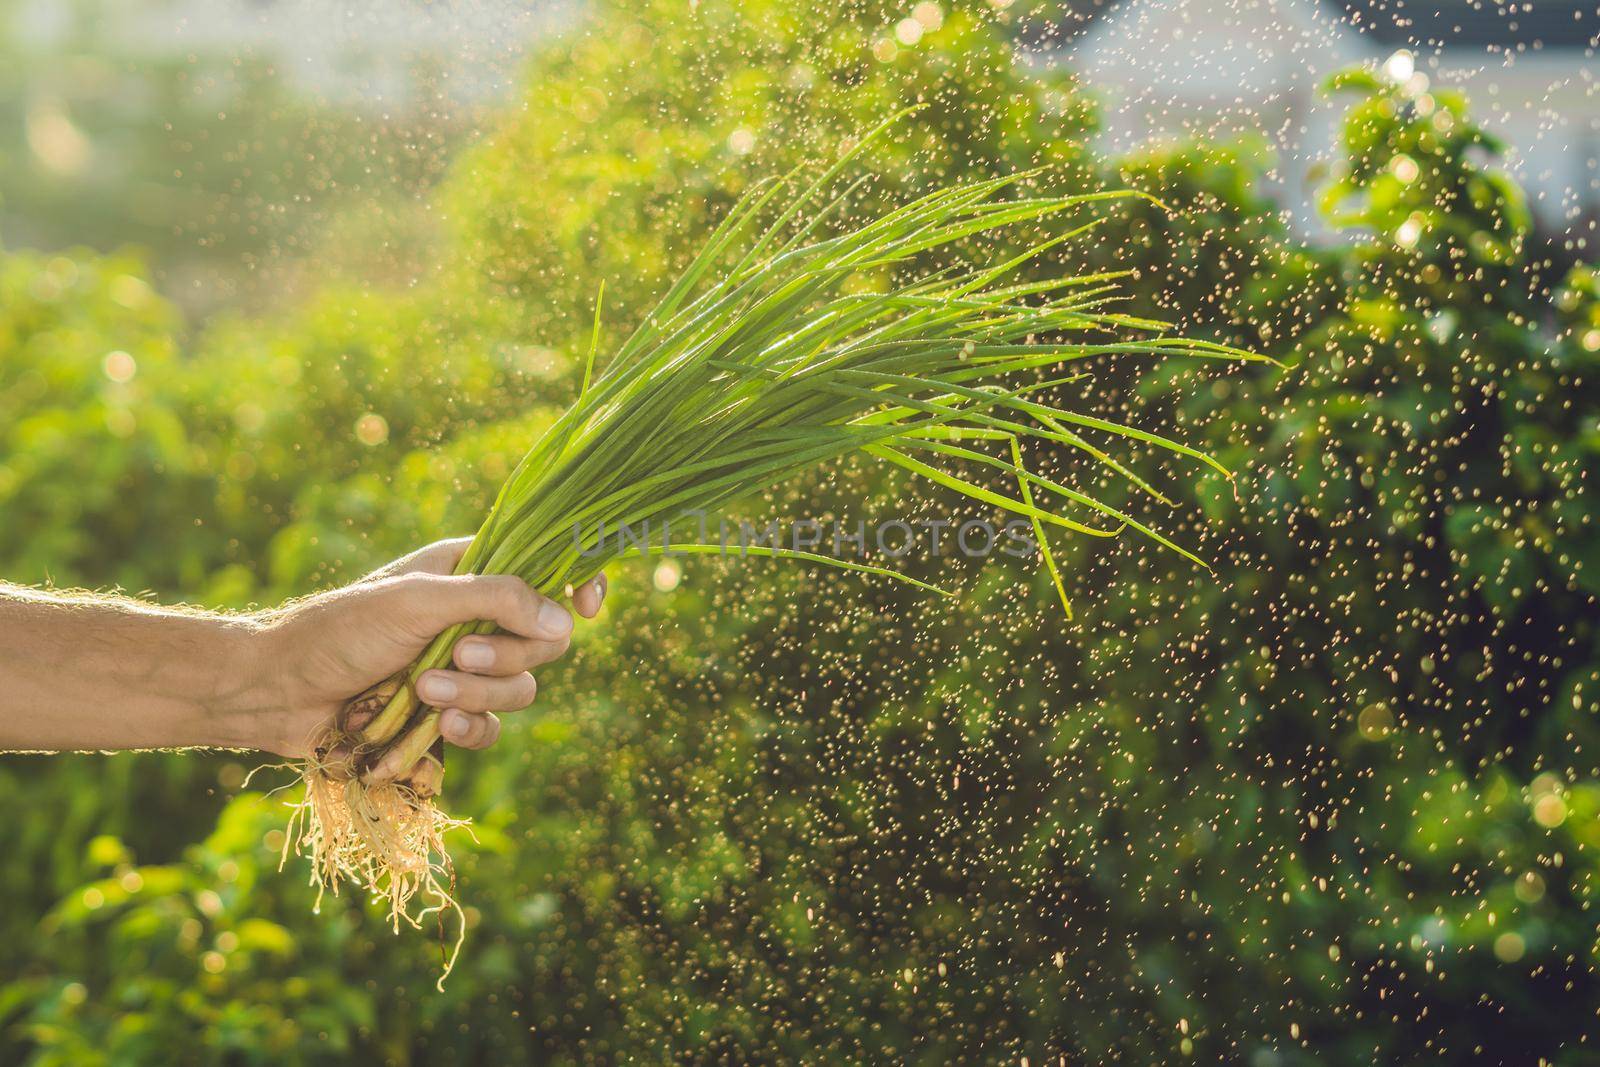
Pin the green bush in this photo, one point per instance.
(1368, 797)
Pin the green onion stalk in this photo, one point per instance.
(791, 341)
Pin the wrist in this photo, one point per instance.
(247, 705)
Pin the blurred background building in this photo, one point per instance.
(1164, 70)
(1216, 69)
(224, 138)
(395, 52)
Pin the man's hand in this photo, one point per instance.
(94, 672)
(329, 648)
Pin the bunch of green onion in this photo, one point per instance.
(768, 358)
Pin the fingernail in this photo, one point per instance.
(436, 687)
(453, 723)
(600, 583)
(554, 620)
(475, 654)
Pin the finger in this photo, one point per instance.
(427, 774)
(440, 557)
(335, 761)
(473, 692)
(589, 596)
(437, 602)
(469, 731)
(505, 654)
(389, 766)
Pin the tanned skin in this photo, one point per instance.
(91, 672)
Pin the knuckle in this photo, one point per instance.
(535, 654)
(520, 602)
(411, 584)
(529, 606)
(433, 559)
(411, 593)
(491, 587)
(476, 695)
(509, 585)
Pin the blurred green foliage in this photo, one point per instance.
(1335, 801)
(227, 177)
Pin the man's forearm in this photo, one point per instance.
(104, 673)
